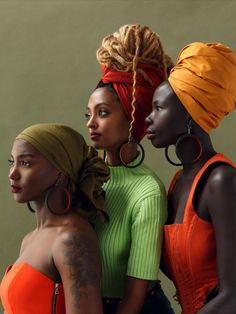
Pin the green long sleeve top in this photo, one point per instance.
(130, 243)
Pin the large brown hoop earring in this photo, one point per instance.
(169, 160)
(141, 151)
(30, 208)
(183, 138)
(180, 140)
(63, 211)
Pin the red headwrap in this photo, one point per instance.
(148, 78)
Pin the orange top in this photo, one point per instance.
(189, 251)
(25, 290)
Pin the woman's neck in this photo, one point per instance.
(199, 147)
(127, 153)
(46, 219)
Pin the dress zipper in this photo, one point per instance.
(54, 299)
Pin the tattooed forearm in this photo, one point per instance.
(82, 258)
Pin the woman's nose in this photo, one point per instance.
(13, 173)
(92, 123)
(148, 120)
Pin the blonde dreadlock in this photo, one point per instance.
(125, 49)
(119, 50)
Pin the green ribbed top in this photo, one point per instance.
(131, 243)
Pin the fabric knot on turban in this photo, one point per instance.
(91, 177)
(68, 152)
(148, 78)
(204, 79)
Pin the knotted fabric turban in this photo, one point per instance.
(67, 151)
(204, 79)
(148, 78)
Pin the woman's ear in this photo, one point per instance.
(61, 179)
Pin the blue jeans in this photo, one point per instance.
(156, 302)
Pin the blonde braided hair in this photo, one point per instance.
(125, 49)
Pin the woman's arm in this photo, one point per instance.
(222, 209)
(146, 241)
(134, 296)
(76, 257)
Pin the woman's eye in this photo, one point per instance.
(103, 113)
(10, 162)
(158, 108)
(25, 163)
(87, 116)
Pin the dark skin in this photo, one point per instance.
(64, 248)
(216, 199)
(107, 119)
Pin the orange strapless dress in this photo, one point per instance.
(24, 290)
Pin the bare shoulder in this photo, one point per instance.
(76, 257)
(221, 190)
(26, 240)
(76, 250)
(79, 238)
(223, 178)
(78, 243)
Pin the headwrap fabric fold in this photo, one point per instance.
(204, 79)
(68, 152)
(148, 78)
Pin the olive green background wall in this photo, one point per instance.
(48, 69)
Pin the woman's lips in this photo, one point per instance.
(15, 189)
(94, 136)
(150, 135)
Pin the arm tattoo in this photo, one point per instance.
(82, 259)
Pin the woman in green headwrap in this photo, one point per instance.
(60, 178)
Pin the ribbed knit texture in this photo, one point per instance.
(131, 243)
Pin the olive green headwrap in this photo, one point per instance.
(68, 152)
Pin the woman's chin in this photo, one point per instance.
(97, 146)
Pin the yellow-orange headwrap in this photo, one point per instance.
(204, 79)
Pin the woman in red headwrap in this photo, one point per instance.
(199, 238)
(133, 65)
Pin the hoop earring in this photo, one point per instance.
(30, 208)
(168, 158)
(177, 145)
(141, 150)
(180, 140)
(183, 138)
(63, 211)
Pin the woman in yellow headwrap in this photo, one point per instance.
(60, 178)
(199, 239)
